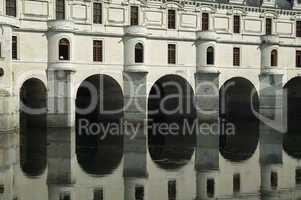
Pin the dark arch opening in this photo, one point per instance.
(237, 97)
(292, 138)
(33, 127)
(170, 104)
(99, 140)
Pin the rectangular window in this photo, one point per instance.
(11, 8)
(172, 54)
(171, 19)
(236, 24)
(298, 58)
(97, 13)
(205, 22)
(97, 51)
(0, 50)
(172, 190)
(14, 47)
(98, 194)
(134, 15)
(1, 189)
(210, 188)
(236, 183)
(139, 193)
(236, 56)
(65, 196)
(274, 180)
(298, 29)
(60, 9)
(268, 26)
(298, 176)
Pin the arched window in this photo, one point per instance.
(64, 49)
(274, 58)
(210, 56)
(139, 53)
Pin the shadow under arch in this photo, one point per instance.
(292, 138)
(237, 98)
(33, 127)
(171, 121)
(99, 136)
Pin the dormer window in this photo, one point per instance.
(64, 49)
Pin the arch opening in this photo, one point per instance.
(171, 120)
(33, 127)
(292, 138)
(239, 127)
(99, 113)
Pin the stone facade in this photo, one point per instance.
(38, 34)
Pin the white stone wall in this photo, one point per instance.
(38, 49)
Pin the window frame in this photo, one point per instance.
(139, 59)
(170, 25)
(101, 60)
(236, 183)
(61, 11)
(69, 49)
(236, 27)
(298, 58)
(210, 60)
(15, 48)
(100, 15)
(207, 22)
(236, 60)
(9, 9)
(170, 59)
(172, 189)
(274, 58)
(269, 29)
(134, 21)
(298, 28)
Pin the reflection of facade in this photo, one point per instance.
(128, 50)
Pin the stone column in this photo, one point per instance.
(207, 146)
(9, 145)
(60, 134)
(272, 125)
(135, 134)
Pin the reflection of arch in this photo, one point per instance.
(64, 49)
(139, 53)
(99, 152)
(274, 58)
(170, 103)
(210, 55)
(33, 139)
(292, 138)
(236, 98)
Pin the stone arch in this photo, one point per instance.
(99, 136)
(171, 104)
(239, 127)
(33, 127)
(292, 138)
